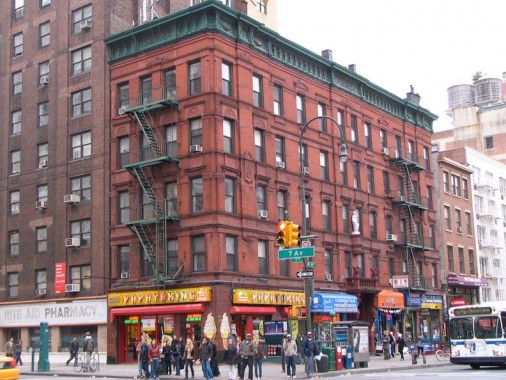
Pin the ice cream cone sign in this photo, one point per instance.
(225, 330)
(210, 327)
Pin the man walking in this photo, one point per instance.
(74, 350)
(88, 348)
(283, 358)
(246, 351)
(290, 351)
(310, 350)
(9, 348)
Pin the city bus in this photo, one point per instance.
(478, 334)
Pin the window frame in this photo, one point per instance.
(41, 239)
(277, 99)
(194, 78)
(43, 114)
(81, 14)
(14, 243)
(228, 136)
(82, 148)
(16, 122)
(197, 195)
(44, 34)
(198, 248)
(231, 248)
(17, 82)
(81, 60)
(259, 141)
(17, 45)
(226, 79)
(81, 229)
(81, 102)
(15, 162)
(300, 103)
(123, 207)
(230, 190)
(257, 88)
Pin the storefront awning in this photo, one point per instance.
(257, 310)
(455, 279)
(388, 299)
(155, 310)
(334, 302)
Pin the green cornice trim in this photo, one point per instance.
(213, 16)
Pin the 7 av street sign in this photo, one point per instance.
(305, 274)
(293, 253)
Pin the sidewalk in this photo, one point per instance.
(271, 369)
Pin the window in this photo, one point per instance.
(261, 195)
(40, 279)
(81, 275)
(231, 249)
(81, 61)
(345, 213)
(196, 132)
(198, 253)
(373, 224)
(280, 150)
(258, 97)
(322, 123)
(81, 102)
(42, 193)
(81, 145)
(446, 181)
(324, 167)
(228, 136)
(41, 237)
(398, 147)
(354, 129)
(340, 118)
(426, 158)
(449, 253)
(16, 117)
(43, 114)
(230, 196)
(343, 169)
(171, 197)
(370, 180)
(123, 151)
(465, 188)
(45, 3)
(170, 83)
(124, 207)
(303, 155)
(44, 34)
(262, 6)
(197, 197)
(259, 145)
(148, 210)
(386, 182)
(17, 82)
(458, 219)
(17, 44)
(411, 151)
(281, 200)
(226, 79)
(14, 243)
(43, 71)
(433, 276)
(467, 217)
(327, 262)
(430, 198)
(301, 108)
(19, 9)
(278, 100)
(383, 138)
(15, 162)
(432, 239)
(171, 144)
(123, 95)
(388, 223)
(146, 90)
(446, 215)
(172, 253)
(456, 185)
(195, 78)
(489, 142)
(124, 258)
(347, 265)
(81, 14)
(462, 268)
(81, 229)
(327, 223)
(368, 136)
(472, 265)
(263, 257)
(356, 175)
(12, 284)
(42, 153)
(307, 206)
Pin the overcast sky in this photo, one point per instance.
(430, 44)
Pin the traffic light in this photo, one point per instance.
(293, 235)
(283, 233)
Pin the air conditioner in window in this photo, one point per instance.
(72, 288)
(280, 164)
(72, 198)
(195, 148)
(40, 292)
(305, 170)
(125, 275)
(44, 79)
(385, 151)
(264, 214)
(85, 24)
(72, 242)
(459, 230)
(328, 276)
(122, 110)
(42, 164)
(391, 237)
(40, 205)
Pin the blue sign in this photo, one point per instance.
(334, 302)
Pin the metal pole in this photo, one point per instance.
(343, 155)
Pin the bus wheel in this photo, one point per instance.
(475, 366)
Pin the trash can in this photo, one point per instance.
(322, 365)
(348, 362)
(331, 353)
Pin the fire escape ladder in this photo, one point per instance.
(141, 230)
(141, 174)
(147, 125)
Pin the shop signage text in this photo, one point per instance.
(267, 297)
(157, 297)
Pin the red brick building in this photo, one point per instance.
(207, 110)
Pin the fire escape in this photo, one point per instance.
(155, 211)
(411, 207)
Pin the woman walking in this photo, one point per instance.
(258, 358)
(167, 357)
(154, 359)
(231, 359)
(188, 357)
(401, 343)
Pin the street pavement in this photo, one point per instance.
(271, 369)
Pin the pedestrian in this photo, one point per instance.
(233, 335)
(138, 349)
(392, 342)
(258, 358)
(18, 349)
(9, 348)
(231, 359)
(188, 357)
(154, 359)
(176, 354)
(419, 344)
(206, 353)
(386, 345)
(88, 348)
(401, 344)
(283, 358)
(246, 352)
(144, 359)
(214, 360)
(300, 343)
(290, 350)
(310, 350)
(167, 357)
(74, 350)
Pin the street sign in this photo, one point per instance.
(297, 260)
(293, 253)
(311, 264)
(305, 274)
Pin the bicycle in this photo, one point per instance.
(443, 353)
(82, 364)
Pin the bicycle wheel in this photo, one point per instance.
(93, 365)
(440, 355)
(78, 365)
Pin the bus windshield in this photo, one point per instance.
(461, 328)
(487, 327)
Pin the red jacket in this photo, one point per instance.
(154, 352)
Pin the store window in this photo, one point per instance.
(67, 333)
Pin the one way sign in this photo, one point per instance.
(305, 274)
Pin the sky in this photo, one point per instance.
(428, 44)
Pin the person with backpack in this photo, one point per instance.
(231, 358)
(310, 351)
(88, 347)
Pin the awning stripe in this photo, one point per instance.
(258, 310)
(165, 309)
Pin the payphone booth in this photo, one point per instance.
(354, 335)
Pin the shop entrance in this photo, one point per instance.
(128, 334)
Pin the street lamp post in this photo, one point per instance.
(343, 157)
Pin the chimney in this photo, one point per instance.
(412, 97)
(327, 54)
(352, 68)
